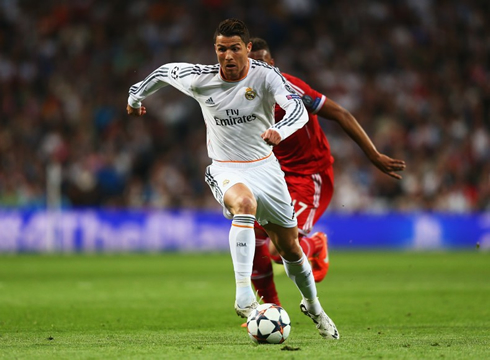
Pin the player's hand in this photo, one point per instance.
(271, 137)
(389, 166)
(136, 111)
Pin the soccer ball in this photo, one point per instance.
(268, 324)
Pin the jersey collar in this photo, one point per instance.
(243, 77)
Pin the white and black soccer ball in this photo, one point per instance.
(269, 324)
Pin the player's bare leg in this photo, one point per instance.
(240, 201)
(315, 248)
(299, 270)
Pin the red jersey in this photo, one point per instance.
(306, 151)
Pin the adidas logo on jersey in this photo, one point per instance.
(210, 101)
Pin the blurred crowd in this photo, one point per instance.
(415, 73)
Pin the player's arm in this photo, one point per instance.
(333, 111)
(139, 91)
(167, 74)
(296, 114)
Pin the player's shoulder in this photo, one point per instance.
(208, 68)
(261, 66)
(186, 69)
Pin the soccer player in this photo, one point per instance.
(237, 98)
(307, 162)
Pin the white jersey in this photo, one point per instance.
(236, 113)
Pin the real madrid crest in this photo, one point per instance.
(226, 182)
(250, 94)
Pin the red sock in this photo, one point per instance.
(262, 275)
(310, 245)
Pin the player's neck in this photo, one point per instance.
(242, 76)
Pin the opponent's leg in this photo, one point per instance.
(311, 196)
(319, 260)
(262, 274)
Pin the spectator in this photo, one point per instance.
(415, 72)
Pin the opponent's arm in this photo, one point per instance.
(333, 111)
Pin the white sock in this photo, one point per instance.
(300, 272)
(242, 248)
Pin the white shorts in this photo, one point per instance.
(266, 181)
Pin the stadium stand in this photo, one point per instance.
(416, 74)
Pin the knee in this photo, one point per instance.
(245, 205)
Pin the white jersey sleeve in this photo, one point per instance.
(286, 97)
(167, 74)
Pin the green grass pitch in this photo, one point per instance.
(391, 305)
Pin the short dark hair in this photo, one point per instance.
(259, 44)
(232, 27)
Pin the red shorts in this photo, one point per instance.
(311, 195)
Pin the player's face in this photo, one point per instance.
(232, 55)
(262, 55)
